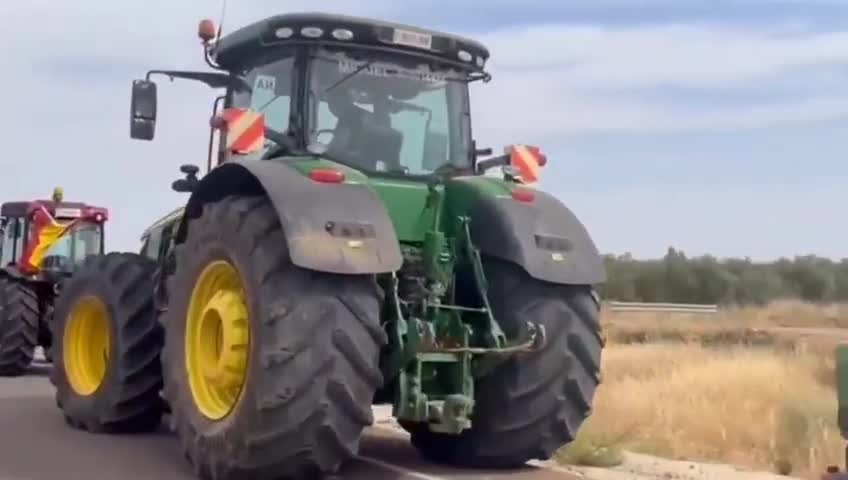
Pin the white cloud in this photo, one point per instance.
(554, 80)
(535, 109)
(74, 132)
(650, 56)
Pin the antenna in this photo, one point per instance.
(221, 22)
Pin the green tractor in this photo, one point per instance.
(348, 248)
(42, 243)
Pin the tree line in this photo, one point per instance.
(706, 279)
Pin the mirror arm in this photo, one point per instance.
(207, 56)
(212, 132)
(493, 162)
(475, 153)
(210, 79)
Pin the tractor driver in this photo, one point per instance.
(363, 138)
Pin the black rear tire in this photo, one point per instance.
(312, 365)
(532, 405)
(127, 401)
(18, 327)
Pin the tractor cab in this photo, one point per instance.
(381, 98)
(45, 239)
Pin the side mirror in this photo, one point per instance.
(143, 110)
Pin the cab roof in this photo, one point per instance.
(347, 31)
(22, 209)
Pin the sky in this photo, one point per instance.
(714, 126)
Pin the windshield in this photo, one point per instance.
(389, 113)
(270, 92)
(73, 247)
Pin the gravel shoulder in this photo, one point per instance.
(645, 467)
(635, 467)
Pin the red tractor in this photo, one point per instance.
(42, 242)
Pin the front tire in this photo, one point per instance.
(18, 327)
(533, 404)
(288, 388)
(107, 342)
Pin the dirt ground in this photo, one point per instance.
(635, 466)
(646, 467)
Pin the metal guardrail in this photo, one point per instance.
(661, 307)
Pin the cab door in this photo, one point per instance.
(13, 238)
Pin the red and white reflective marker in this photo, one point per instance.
(528, 160)
(245, 129)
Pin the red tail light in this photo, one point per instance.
(327, 175)
(523, 195)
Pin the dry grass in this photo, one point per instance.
(724, 391)
(776, 325)
(790, 313)
(784, 313)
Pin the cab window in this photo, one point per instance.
(271, 91)
(12, 241)
(151, 245)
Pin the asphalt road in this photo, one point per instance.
(36, 444)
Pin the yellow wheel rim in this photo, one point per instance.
(86, 345)
(217, 340)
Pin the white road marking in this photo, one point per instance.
(398, 469)
(555, 468)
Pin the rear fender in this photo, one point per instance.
(337, 228)
(544, 237)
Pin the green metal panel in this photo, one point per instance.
(463, 194)
(406, 202)
(842, 386)
(406, 199)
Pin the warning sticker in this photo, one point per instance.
(265, 82)
(263, 92)
(266, 100)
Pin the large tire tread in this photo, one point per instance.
(19, 316)
(314, 369)
(128, 401)
(534, 404)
